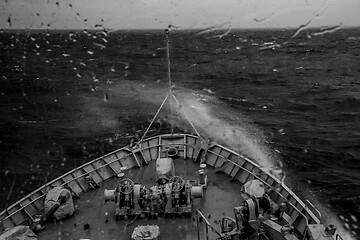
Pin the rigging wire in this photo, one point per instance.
(171, 94)
(187, 118)
(152, 121)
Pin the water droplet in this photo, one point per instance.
(106, 97)
(99, 45)
(354, 226)
(9, 21)
(353, 218)
(104, 32)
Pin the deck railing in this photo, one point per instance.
(42, 189)
(312, 205)
(261, 180)
(199, 216)
(21, 207)
(63, 184)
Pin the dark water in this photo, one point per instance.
(68, 97)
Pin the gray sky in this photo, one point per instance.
(140, 14)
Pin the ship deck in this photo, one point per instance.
(219, 199)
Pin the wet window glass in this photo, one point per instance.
(275, 81)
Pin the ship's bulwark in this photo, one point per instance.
(74, 101)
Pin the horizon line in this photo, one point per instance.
(161, 29)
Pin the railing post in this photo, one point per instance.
(207, 232)
(197, 225)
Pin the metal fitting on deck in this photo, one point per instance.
(121, 174)
(330, 230)
(202, 176)
(172, 152)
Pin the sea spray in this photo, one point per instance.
(210, 116)
(217, 123)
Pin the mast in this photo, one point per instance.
(170, 94)
(167, 33)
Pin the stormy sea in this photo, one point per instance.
(68, 97)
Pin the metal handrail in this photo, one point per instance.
(75, 178)
(130, 153)
(312, 205)
(55, 180)
(255, 176)
(207, 225)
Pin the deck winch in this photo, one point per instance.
(257, 218)
(171, 196)
(260, 218)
